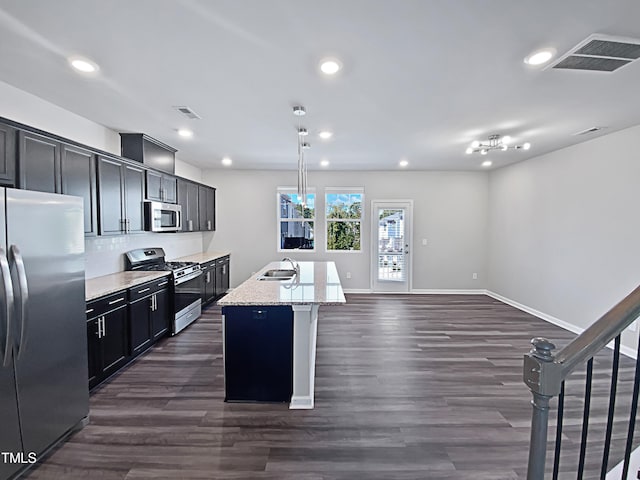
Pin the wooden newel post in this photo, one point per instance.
(534, 370)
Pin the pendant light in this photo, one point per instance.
(300, 111)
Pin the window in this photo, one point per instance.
(296, 221)
(344, 219)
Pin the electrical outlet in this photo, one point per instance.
(348, 274)
(424, 242)
(474, 276)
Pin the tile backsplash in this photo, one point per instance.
(105, 255)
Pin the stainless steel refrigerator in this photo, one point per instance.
(43, 345)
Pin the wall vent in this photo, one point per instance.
(187, 112)
(589, 131)
(600, 53)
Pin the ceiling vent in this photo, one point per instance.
(600, 53)
(187, 112)
(589, 131)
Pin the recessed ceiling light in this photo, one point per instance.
(526, 146)
(487, 163)
(330, 66)
(324, 163)
(403, 163)
(540, 56)
(469, 151)
(186, 133)
(83, 65)
(325, 134)
(226, 161)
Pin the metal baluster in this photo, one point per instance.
(585, 418)
(556, 458)
(632, 416)
(612, 404)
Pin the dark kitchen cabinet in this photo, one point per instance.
(147, 150)
(161, 187)
(148, 313)
(38, 162)
(258, 353)
(107, 336)
(207, 208)
(222, 276)
(188, 199)
(78, 175)
(120, 197)
(208, 281)
(161, 315)
(7, 155)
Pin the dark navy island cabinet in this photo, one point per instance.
(258, 353)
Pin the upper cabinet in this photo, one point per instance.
(7, 156)
(121, 197)
(161, 187)
(207, 208)
(149, 151)
(188, 200)
(38, 163)
(78, 177)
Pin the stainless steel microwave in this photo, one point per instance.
(162, 217)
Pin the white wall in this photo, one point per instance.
(450, 211)
(564, 229)
(104, 255)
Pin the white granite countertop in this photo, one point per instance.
(317, 283)
(101, 286)
(203, 257)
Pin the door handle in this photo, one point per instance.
(190, 225)
(208, 224)
(16, 258)
(8, 301)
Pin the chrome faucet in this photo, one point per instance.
(294, 264)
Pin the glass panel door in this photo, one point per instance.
(391, 240)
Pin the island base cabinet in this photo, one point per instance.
(258, 353)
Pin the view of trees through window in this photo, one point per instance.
(344, 216)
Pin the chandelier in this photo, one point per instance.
(299, 111)
(494, 142)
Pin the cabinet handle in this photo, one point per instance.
(144, 290)
(89, 311)
(224, 269)
(104, 327)
(191, 225)
(151, 304)
(162, 284)
(208, 224)
(99, 332)
(118, 300)
(155, 302)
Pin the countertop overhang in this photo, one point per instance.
(317, 283)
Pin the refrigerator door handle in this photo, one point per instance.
(17, 260)
(8, 303)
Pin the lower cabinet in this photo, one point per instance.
(122, 325)
(258, 353)
(215, 279)
(148, 314)
(107, 336)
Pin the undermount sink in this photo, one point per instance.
(278, 274)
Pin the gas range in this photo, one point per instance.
(186, 281)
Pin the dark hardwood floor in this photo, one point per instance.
(407, 387)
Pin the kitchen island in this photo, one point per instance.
(263, 316)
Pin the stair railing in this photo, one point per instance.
(545, 374)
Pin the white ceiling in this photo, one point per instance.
(421, 78)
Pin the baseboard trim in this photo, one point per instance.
(301, 403)
(448, 291)
(627, 351)
(421, 291)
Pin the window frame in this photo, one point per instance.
(327, 220)
(280, 219)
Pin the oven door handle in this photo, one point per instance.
(191, 276)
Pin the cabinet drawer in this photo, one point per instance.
(148, 288)
(97, 308)
(223, 260)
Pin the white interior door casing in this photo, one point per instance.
(391, 246)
